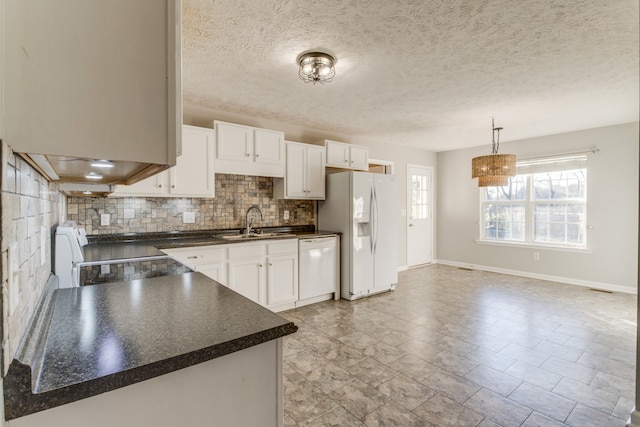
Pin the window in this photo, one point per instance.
(545, 204)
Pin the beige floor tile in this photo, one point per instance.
(586, 395)
(394, 415)
(359, 398)
(502, 384)
(444, 412)
(499, 409)
(543, 401)
(583, 416)
(338, 417)
(452, 386)
(544, 345)
(571, 370)
(405, 391)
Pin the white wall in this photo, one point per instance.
(401, 156)
(612, 186)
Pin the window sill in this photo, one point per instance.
(534, 246)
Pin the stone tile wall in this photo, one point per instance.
(234, 194)
(31, 209)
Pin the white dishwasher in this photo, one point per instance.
(318, 269)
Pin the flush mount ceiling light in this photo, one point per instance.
(93, 175)
(102, 164)
(495, 169)
(316, 67)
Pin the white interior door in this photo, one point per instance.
(420, 215)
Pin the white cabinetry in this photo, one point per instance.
(246, 271)
(346, 156)
(92, 79)
(266, 272)
(249, 151)
(282, 273)
(305, 173)
(209, 260)
(192, 176)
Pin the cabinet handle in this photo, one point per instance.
(159, 185)
(247, 154)
(257, 155)
(260, 265)
(173, 186)
(270, 265)
(195, 256)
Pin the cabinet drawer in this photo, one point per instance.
(240, 251)
(283, 247)
(200, 255)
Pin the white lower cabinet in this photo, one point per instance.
(265, 272)
(282, 274)
(209, 260)
(246, 270)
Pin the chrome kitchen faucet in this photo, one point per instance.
(246, 218)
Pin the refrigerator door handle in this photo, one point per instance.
(371, 220)
(375, 219)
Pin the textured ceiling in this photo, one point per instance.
(426, 74)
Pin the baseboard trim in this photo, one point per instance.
(585, 283)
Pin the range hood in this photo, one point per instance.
(90, 177)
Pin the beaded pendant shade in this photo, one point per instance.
(495, 169)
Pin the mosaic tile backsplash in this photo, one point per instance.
(31, 209)
(234, 194)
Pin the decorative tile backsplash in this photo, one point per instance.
(31, 208)
(234, 194)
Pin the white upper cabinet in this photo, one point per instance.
(305, 173)
(246, 150)
(93, 79)
(346, 156)
(192, 176)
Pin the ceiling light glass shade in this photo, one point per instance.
(495, 169)
(316, 67)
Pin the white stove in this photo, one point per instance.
(68, 253)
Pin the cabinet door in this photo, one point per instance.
(282, 279)
(216, 272)
(193, 174)
(315, 172)
(358, 157)
(235, 142)
(245, 277)
(269, 146)
(337, 154)
(155, 185)
(295, 176)
(99, 78)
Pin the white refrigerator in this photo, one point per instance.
(362, 206)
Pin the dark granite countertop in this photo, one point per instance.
(89, 340)
(112, 247)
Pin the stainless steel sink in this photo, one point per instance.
(253, 236)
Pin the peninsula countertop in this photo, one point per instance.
(89, 340)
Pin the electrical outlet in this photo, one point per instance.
(105, 219)
(188, 217)
(105, 269)
(536, 256)
(286, 215)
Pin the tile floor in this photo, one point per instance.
(452, 347)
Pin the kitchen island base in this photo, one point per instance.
(237, 390)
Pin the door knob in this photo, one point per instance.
(410, 225)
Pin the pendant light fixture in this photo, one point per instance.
(495, 169)
(316, 67)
